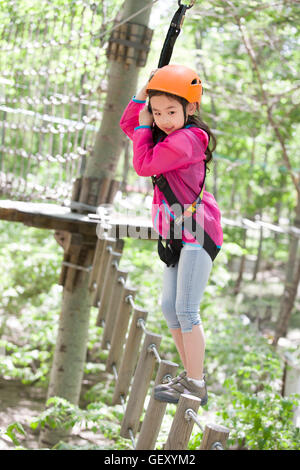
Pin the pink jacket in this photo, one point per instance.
(180, 157)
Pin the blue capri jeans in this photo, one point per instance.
(183, 288)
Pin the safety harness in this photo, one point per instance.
(170, 252)
(173, 33)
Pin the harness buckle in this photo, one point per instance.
(191, 4)
(160, 181)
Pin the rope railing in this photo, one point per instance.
(74, 35)
(190, 414)
(133, 356)
(46, 107)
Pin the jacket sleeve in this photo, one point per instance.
(130, 118)
(178, 150)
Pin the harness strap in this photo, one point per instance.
(206, 241)
(172, 34)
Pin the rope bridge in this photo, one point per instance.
(51, 88)
(133, 358)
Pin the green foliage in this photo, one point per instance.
(96, 417)
(244, 373)
(260, 420)
(145, 272)
(235, 105)
(30, 301)
(32, 263)
(12, 430)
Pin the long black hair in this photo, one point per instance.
(194, 120)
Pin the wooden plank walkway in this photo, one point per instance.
(56, 217)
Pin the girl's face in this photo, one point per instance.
(168, 113)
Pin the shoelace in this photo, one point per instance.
(177, 379)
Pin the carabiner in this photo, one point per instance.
(192, 3)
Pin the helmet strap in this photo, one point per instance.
(185, 116)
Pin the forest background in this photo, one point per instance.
(248, 56)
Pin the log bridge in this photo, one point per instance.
(133, 350)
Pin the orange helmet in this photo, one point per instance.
(178, 80)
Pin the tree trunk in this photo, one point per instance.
(126, 166)
(70, 354)
(259, 252)
(121, 87)
(71, 346)
(239, 279)
(292, 280)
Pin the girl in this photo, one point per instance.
(170, 140)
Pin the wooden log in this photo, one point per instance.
(94, 188)
(85, 259)
(100, 262)
(72, 245)
(121, 54)
(103, 191)
(146, 40)
(129, 358)
(114, 305)
(78, 266)
(101, 296)
(214, 437)
(89, 191)
(155, 410)
(96, 263)
(63, 271)
(113, 188)
(103, 265)
(182, 427)
(76, 189)
(119, 245)
(73, 240)
(111, 51)
(108, 286)
(72, 272)
(133, 32)
(140, 385)
(84, 190)
(61, 236)
(119, 332)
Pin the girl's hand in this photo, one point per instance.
(142, 94)
(145, 118)
(152, 73)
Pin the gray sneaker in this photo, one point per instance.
(165, 386)
(171, 392)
